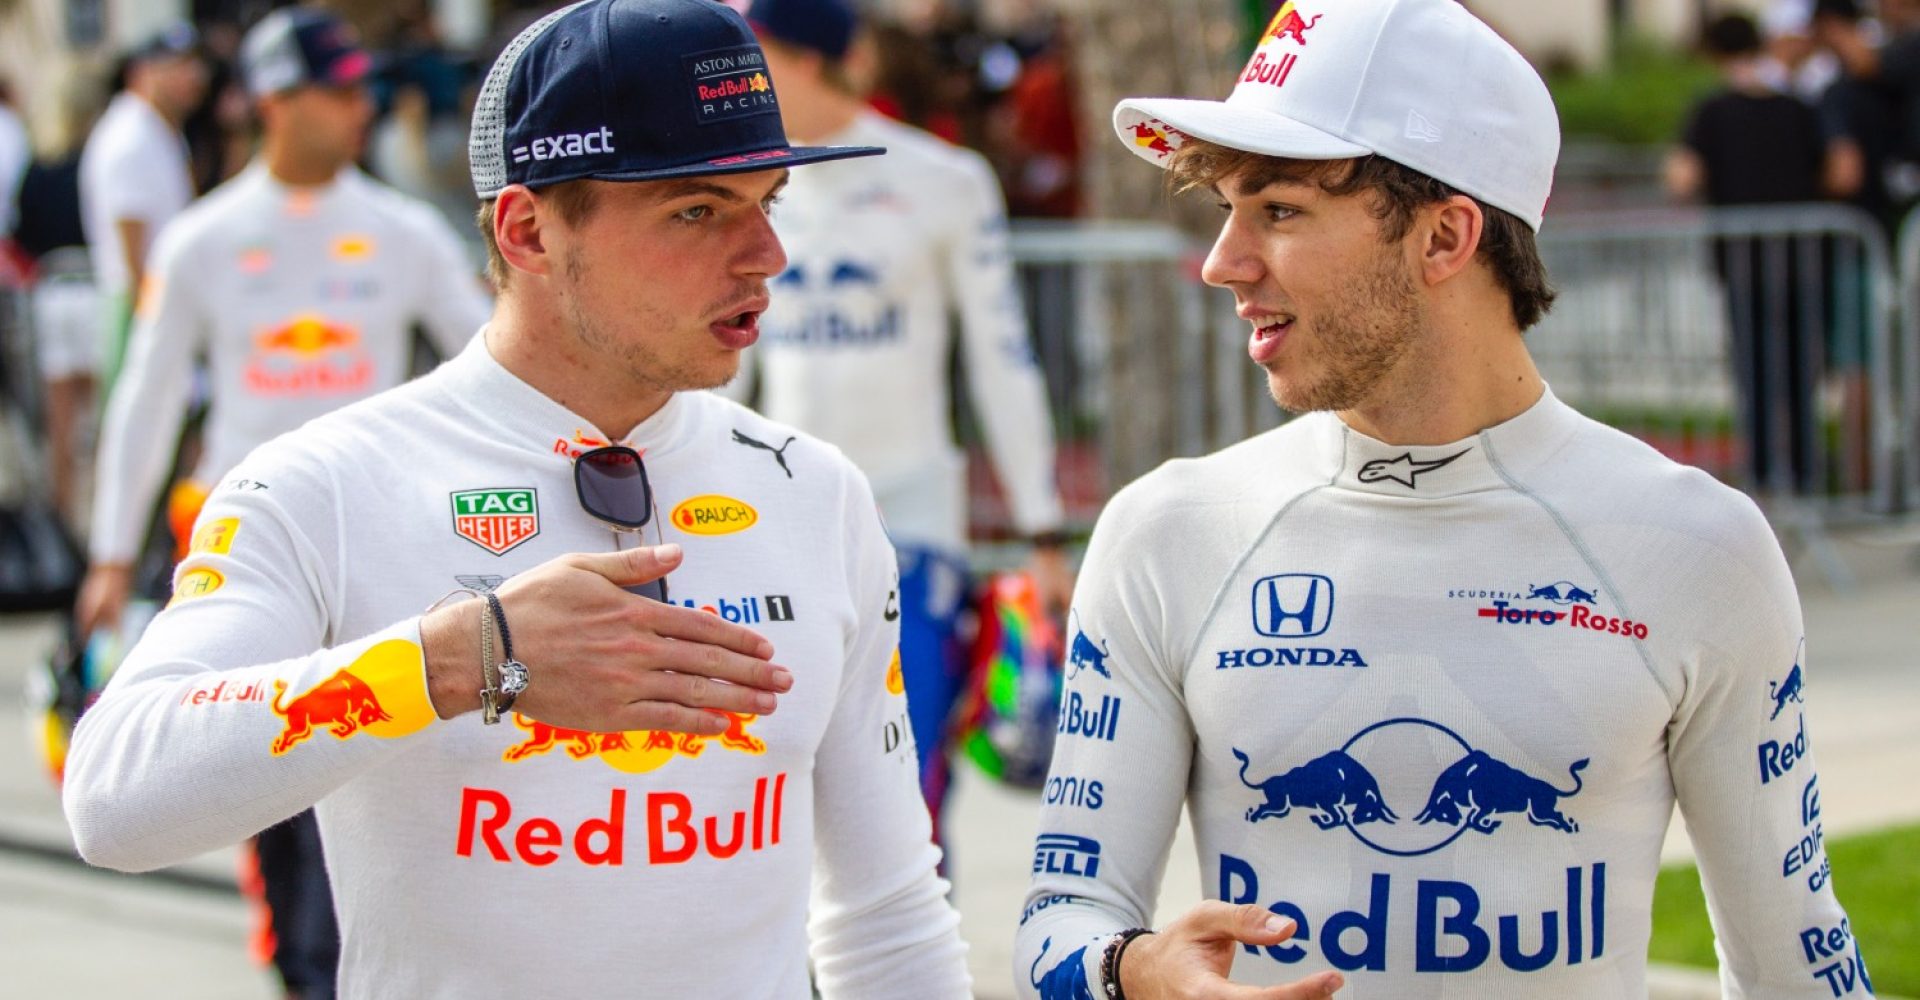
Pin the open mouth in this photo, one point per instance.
(741, 321)
(1270, 326)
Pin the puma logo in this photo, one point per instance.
(779, 454)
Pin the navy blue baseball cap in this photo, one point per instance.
(825, 26)
(631, 90)
(299, 46)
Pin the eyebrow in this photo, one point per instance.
(697, 186)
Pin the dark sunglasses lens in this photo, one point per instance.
(613, 486)
(653, 589)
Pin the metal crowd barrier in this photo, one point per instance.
(1663, 322)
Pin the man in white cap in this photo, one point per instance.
(1431, 665)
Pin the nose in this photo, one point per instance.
(1234, 259)
(763, 256)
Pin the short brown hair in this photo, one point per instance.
(573, 201)
(1507, 245)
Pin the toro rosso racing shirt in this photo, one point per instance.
(299, 299)
(520, 859)
(1436, 704)
(857, 349)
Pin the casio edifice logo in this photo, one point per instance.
(557, 147)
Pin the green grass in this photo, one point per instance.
(1877, 876)
(1643, 97)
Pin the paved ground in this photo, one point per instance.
(77, 934)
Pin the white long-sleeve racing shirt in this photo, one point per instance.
(882, 252)
(300, 300)
(1436, 704)
(522, 860)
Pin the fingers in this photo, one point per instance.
(1246, 923)
(697, 661)
(631, 566)
(698, 626)
(1313, 987)
(695, 692)
(669, 718)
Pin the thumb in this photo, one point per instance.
(630, 566)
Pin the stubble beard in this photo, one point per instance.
(1361, 347)
(636, 356)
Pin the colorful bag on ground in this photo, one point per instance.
(1012, 702)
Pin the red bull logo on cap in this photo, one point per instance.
(1156, 137)
(1288, 24)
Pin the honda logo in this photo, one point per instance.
(1293, 605)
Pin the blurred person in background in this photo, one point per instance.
(16, 154)
(881, 253)
(1751, 144)
(300, 281)
(66, 315)
(135, 173)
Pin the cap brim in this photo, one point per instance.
(768, 159)
(1154, 127)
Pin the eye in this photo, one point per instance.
(1280, 213)
(1225, 209)
(694, 213)
(771, 200)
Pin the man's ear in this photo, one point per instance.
(1449, 234)
(517, 221)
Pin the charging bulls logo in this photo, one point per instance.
(379, 693)
(309, 355)
(1067, 980)
(1789, 690)
(635, 752)
(1085, 655)
(1389, 770)
(1156, 137)
(1337, 787)
(1288, 23)
(1561, 592)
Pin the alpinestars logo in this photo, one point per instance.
(557, 147)
(779, 454)
(1404, 470)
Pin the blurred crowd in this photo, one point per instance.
(1821, 101)
(1003, 89)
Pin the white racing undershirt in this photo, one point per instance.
(1437, 704)
(301, 300)
(519, 860)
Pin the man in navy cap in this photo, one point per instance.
(884, 254)
(661, 808)
(299, 241)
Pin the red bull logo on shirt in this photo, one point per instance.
(380, 693)
(634, 752)
(677, 829)
(309, 355)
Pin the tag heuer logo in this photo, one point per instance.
(496, 520)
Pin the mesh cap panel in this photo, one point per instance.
(487, 143)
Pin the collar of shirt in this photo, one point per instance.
(1489, 460)
(521, 414)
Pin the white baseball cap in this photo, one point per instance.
(1420, 82)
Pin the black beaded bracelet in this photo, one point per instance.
(500, 620)
(1110, 961)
